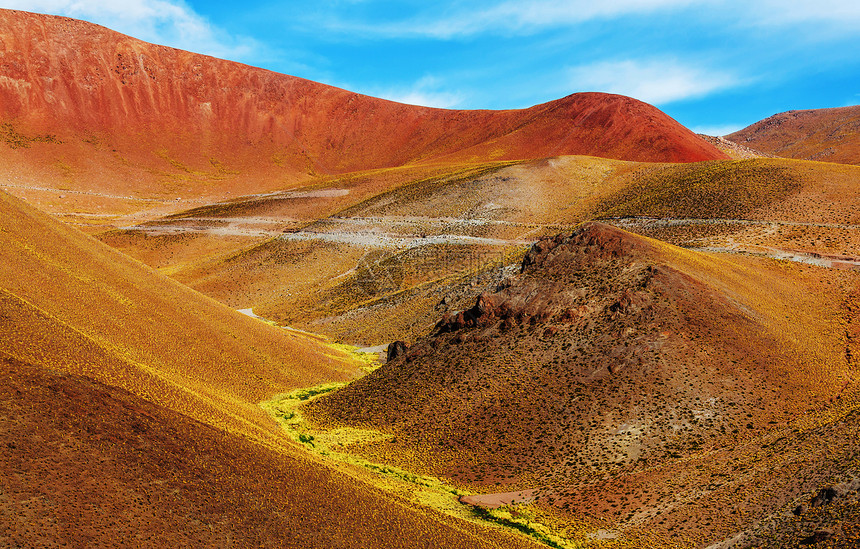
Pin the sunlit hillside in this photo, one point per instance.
(240, 308)
(826, 135)
(113, 129)
(127, 391)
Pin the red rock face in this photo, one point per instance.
(73, 78)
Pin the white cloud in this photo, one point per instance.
(653, 81)
(840, 12)
(167, 22)
(441, 100)
(447, 19)
(542, 13)
(516, 16)
(426, 92)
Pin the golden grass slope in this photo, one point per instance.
(87, 464)
(794, 209)
(131, 414)
(76, 305)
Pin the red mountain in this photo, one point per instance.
(830, 135)
(68, 80)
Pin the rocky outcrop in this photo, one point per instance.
(395, 350)
(530, 300)
(829, 494)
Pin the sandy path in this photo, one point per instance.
(819, 260)
(625, 222)
(381, 240)
(830, 261)
(368, 232)
(493, 501)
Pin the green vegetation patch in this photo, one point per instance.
(368, 362)
(705, 190)
(332, 444)
(524, 523)
(310, 392)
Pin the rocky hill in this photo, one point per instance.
(610, 359)
(828, 135)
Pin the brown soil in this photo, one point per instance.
(611, 365)
(828, 135)
(732, 149)
(86, 464)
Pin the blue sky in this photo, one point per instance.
(714, 65)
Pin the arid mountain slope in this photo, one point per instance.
(829, 135)
(75, 305)
(732, 149)
(110, 113)
(130, 411)
(780, 208)
(86, 464)
(393, 241)
(609, 356)
(599, 309)
(376, 256)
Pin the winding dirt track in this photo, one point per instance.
(634, 222)
(831, 261)
(369, 232)
(378, 232)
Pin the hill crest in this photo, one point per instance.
(81, 81)
(829, 135)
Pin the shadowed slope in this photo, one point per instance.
(78, 99)
(829, 135)
(85, 464)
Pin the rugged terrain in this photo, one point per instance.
(131, 412)
(610, 332)
(385, 267)
(121, 127)
(827, 135)
(617, 377)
